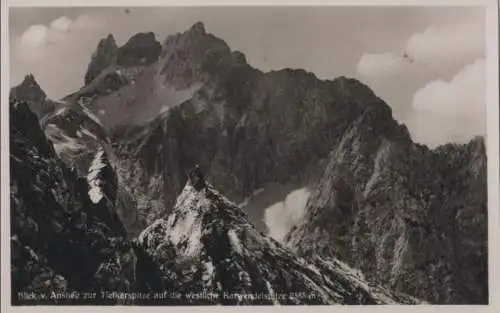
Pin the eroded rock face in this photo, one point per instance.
(407, 216)
(207, 244)
(141, 49)
(30, 91)
(61, 241)
(104, 56)
(67, 237)
(245, 128)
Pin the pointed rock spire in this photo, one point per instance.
(104, 56)
(197, 28)
(197, 178)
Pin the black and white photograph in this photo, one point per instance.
(247, 155)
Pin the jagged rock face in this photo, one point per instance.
(243, 127)
(30, 92)
(140, 50)
(77, 135)
(60, 240)
(407, 216)
(103, 57)
(208, 245)
(196, 56)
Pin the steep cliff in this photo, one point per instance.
(407, 216)
(207, 245)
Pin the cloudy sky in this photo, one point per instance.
(427, 63)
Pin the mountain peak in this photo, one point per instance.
(207, 243)
(108, 41)
(142, 49)
(197, 28)
(104, 56)
(30, 79)
(196, 178)
(30, 84)
(30, 91)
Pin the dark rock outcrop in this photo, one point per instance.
(141, 49)
(104, 56)
(61, 242)
(244, 127)
(30, 91)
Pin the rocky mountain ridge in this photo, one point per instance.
(408, 216)
(376, 194)
(222, 254)
(61, 242)
(67, 239)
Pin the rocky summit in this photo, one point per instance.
(207, 245)
(388, 220)
(407, 216)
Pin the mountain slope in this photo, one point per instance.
(201, 103)
(218, 253)
(407, 216)
(67, 239)
(55, 228)
(380, 197)
(412, 219)
(30, 91)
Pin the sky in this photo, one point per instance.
(427, 63)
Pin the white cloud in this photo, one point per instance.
(434, 50)
(280, 217)
(35, 35)
(428, 84)
(380, 64)
(86, 21)
(41, 49)
(453, 111)
(63, 24)
(450, 44)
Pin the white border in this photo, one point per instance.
(492, 140)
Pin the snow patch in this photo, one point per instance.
(63, 143)
(95, 191)
(180, 226)
(258, 191)
(382, 154)
(161, 101)
(314, 269)
(235, 241)
(95, 195)
(164, 109)
(271, 293)
(88, 133)
(60, 111)
(184, 225)
(91, 115)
